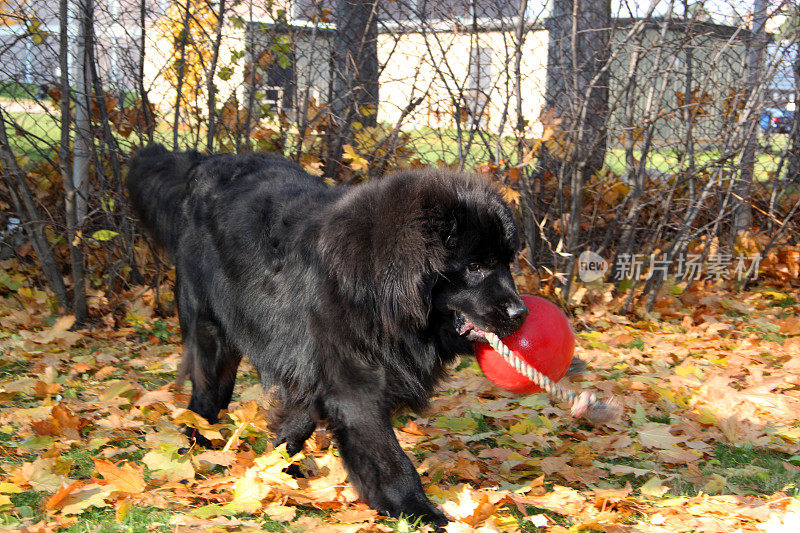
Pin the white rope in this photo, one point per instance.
(581, 404)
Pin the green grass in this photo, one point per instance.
(433, 146)
(786, 302)
(28, 505)
(668, 161)
(745, 468)
(259, 444)
(773, 337)
(637, 343)
(157, 328)
(36, 135)
(754, 469)
(429, 145)
(18, 90)
(558, 519)
(33, 134)
(138, 520)
(27, 92)
(148, 519)
(82, 466)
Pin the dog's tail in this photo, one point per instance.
(156, 185)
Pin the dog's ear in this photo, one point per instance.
(506, 220)
(386, 243)
(388, 263)
(405, 298)
(407, 270)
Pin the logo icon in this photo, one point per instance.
(591, 266)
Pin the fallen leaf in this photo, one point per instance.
(57, 499)
(91, 495)
(280, 513)
(126, 478)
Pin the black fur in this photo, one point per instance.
(352, 301)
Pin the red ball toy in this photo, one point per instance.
(545, 341)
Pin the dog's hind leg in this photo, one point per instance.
(227, 365)
(211, 363)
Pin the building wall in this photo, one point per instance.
(406, 10)
(117, 35)
(717, 74)
(436, 66)
(161, 56)
(412, 61)
(439, 66)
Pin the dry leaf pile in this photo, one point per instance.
(89, 427)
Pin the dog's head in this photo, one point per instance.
(474, 292)
(435, 246)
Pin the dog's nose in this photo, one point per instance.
(517, 311)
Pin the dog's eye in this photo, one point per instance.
(474, 267)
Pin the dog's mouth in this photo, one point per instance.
(467, 329)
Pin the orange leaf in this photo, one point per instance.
(356, 514)
(126, 478)
(249, 413)
(414, 429)
(42, 389)
(123, 507)
(56, 499)
(790, 326)
(510, 195)
(67, 423)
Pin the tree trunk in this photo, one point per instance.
(181, 67)
(636, 170)
(82, 147)
(577, 51)
(577, 94)
(79, 307)
(742, 214)
(108, 145)
(355, 74)
(528, 206)
(691, 115)
(28, 213)
(147, 119)
(210, 87)
(519, 41)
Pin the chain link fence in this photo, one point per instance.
(624, 129)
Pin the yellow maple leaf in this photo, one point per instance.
(354, 160)
(125, 478)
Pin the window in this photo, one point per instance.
(479, 83)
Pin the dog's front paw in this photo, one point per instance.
(195, 437)
(431, 514)
(410, 501)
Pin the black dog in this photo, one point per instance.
(352, 301)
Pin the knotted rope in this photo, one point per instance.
(585, 404)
